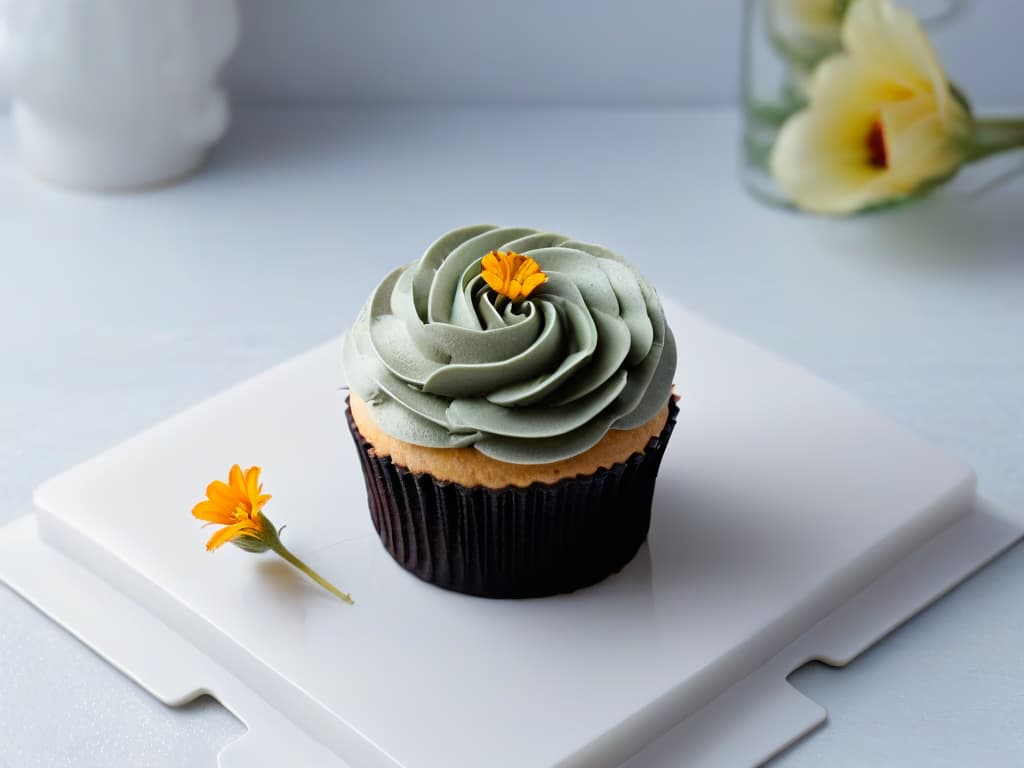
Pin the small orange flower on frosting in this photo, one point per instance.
(235, 504)
(511, 274)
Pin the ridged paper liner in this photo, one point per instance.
(513, 542)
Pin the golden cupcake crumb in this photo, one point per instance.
(469, 467)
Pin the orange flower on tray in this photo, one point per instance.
(238, 506)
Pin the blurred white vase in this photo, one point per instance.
(116, 94)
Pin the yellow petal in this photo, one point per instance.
(211, 512)
(236, 480)
(224, 535)
(223, 495)
(495, 282)
(817, 169)
(922, 145)
(532, 282)
(252, 482)
(893, 44)
(526, 268)
(490, 261)
(842, 83)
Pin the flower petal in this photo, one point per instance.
(532, 282)
(843, 82)
(820, 161)
(252, 483)
(922, 146)
(211, 512)
(892, 42)
(494, 281)
(224, 535)
(490, 261)
(236, 479)
(223, 495)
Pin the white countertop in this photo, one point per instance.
(116, 312)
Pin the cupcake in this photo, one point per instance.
(510, 399)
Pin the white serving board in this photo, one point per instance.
(791, 523)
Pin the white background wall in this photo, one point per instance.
(625, 53)
(554, 52)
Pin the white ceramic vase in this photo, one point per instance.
(116, 94)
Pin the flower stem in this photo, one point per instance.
(284, 552)
(994, 136)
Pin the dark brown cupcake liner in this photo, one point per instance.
(513, 542)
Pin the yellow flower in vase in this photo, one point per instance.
(238, 506)
(882, 122)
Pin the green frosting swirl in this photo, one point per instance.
(443, 361)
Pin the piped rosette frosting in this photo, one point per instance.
(526, 345)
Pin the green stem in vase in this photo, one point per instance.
(994, 136)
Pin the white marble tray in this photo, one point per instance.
(791, 523)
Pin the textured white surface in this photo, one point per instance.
(117, 312)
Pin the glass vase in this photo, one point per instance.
(783, 42)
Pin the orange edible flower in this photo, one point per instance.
(238, 506)
(235, 504)
(511, 274)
